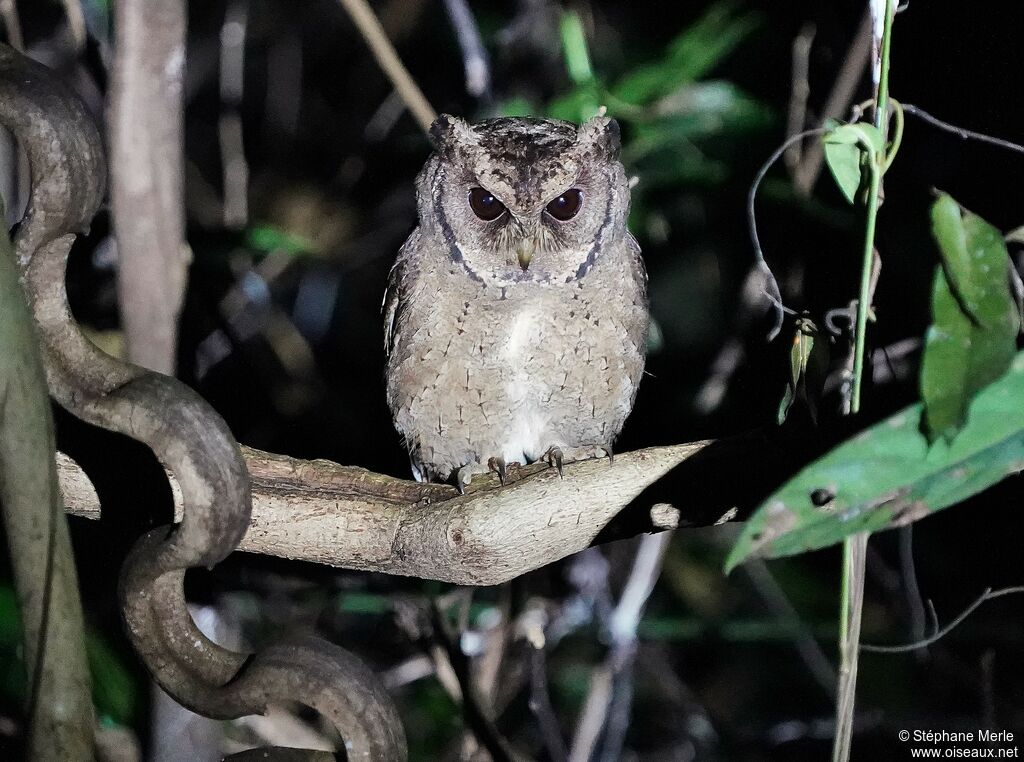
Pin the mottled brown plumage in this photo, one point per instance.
(513, 334)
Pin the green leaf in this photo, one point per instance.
(516, 106)
(889, 476)
(692, 115)
(974, 319)
(973, 252)
(268, 238)
(694, 52)
(574, 48)
(578, 105)
(113, 687)
(846, 152)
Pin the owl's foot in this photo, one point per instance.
(465, 474)
(497, 465)
(556, 456)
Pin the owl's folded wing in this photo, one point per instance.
(394, 296)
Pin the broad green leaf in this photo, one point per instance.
(846, 154)
(974, 319)
(974, 256)
(888, 476)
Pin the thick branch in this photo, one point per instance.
(356, 519)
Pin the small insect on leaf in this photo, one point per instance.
(848, 148)
(799, 357)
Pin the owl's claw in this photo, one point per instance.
(497, 465)
(494, 465)
(465, 475)
(556, 456)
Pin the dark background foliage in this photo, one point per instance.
(281, 332)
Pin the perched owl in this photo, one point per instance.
(516, 312)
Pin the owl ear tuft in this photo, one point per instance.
(603, 132)
(448, 131)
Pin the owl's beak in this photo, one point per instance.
(524, 251)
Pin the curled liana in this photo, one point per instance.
(68, 171)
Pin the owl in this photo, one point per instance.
(516, 312)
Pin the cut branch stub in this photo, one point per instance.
(187, 436)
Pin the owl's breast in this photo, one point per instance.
(478, 374)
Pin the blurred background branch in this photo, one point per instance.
(146, 126)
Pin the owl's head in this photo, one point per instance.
(522, 199)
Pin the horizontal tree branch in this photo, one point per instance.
(349, 517)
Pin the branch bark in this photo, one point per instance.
(356, 519)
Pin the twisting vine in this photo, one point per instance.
(187, 436)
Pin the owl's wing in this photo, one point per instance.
(639, 271)
(392, 306)
(636, 263)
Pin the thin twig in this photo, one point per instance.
(988, 595)
(770, 287)
(910, 586)
(987, 687)
(851, 608)
(843, 91)
(76, 23)
(474, 55)
(478, 720)
(540, 705)
(371, 30)
(869, 283)
(855, 546)
(607, 707)
(778, 602)
(12, 24)
(235, 168)
(798, 93)
(960, 132)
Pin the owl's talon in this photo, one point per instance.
(554, 458)
(464, 475)
(497, 465)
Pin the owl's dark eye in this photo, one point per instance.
(485, 205)
(567, 205)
